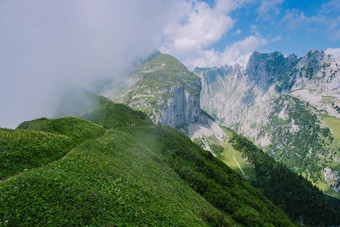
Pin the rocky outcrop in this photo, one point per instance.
(332, 177)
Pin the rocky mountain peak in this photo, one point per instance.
(313, 56)
(166, 90)
(264, 69)
(292, 58)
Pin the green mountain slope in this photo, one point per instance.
(21, 150)
(293, 193)
(78, 129)
(109, 115)
(145, 175)
(163, 70)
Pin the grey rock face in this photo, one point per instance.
(266, 69)
(182, 108)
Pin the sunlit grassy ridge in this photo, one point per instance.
(147, 175)
(334, 124)
(24, 149)
(110, 115)
(104, 182)
(78, 129)
(228, 155)
(163, 70)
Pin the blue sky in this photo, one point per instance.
(305, 36)
(288, 26)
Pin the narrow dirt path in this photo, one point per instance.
(1, 181)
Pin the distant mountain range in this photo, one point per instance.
(288, 106)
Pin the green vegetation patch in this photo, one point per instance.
(228, 156)
(162, 71)
(23, 149)
(334, 124)
(111, 115)
(300, 142)
(293, 193)
(78, 129)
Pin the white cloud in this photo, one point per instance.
(295, 19)
(196, 26)
(237, 32)
(327, 17)
(333, 6)
(229, 5)
(335, 52)
(268, 8)
(238, 52)
(277, 38)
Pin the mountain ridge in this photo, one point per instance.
(143, 175)
(259, 109)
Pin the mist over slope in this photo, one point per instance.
(49, 45)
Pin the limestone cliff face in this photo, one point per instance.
(279, 102)
(182, 108)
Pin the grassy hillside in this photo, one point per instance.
(163, 71)
(24, 149)
(234, 160)
(211, 178)
(110, 115)
(104, 182)
(147, 175)
(78, 129)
